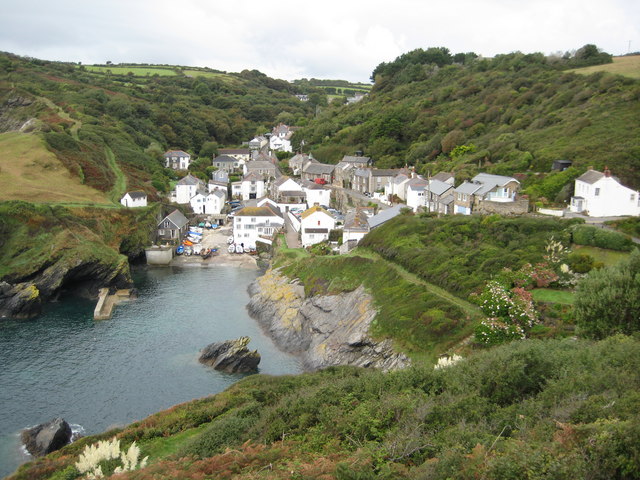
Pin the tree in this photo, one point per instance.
(607, 301)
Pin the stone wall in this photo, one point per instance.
(518, 207)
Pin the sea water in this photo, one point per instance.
(101, 374)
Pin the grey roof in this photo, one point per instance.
(316, 230)
(189, 180)
(591, 176)
(137, 194)
(468, 188)
(438, 188)
(356, 220)
(489, 182)
(260, 165)
(225, 158)
(292, 193)
(398, 179)
(318, 169)
(253, 177)
(177, 218)
(385, 215)
(362, 172)
(443, 176)
(218, 193)
(354, 159)
(447, 200)
(416, 183)
(235, 151)
(176, 153)
(389, 172)
(216, 182)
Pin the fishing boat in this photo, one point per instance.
(239, 248)
(232, 248)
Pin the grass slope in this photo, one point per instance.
(35, 174)
(561, 409)
(629, 66)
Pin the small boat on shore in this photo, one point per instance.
(232, 248)
(230, 240)
(180, 250)
(239, 249)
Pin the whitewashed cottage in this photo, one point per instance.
(599, 194)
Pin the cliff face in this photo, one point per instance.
(323, 330)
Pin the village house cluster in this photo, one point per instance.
(264, 200)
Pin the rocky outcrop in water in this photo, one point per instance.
(46, 437)
(231, 356)
(19, 301)
(322, 330)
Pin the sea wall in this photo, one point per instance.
(322, 330)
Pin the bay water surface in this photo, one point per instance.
(97, 375)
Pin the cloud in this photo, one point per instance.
(332, 39)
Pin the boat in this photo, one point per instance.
(232, 248)
(187, 242)
(205, 253)
(230, 240)
(197, 249)
(239, 248)
(180, 250)
(207, 225)
(188, 251)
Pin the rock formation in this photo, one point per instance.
(322, 330)
(231, 356)
(46, 437)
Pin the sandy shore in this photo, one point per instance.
(216, 239)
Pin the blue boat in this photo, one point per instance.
(180, 250)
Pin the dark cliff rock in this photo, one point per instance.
(19, 301)
(231, 356)
(323, 330)
(46, 437)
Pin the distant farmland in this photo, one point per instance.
(137, 71)
(628, 66)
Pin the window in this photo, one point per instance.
(253, 220)
(597, 191)
(633, 197)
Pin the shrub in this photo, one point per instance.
(598, 237)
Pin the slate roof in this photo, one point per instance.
(189, 180)
(438, 187)
(225, 159)
(319, 169)
(398, 179)
(591, 176)
(253, 177)
(356, 220)
(316, 230)
(362, 172)
(488, 182)
(177, 218)
(260, 165)
(385, 215)
(443, 176)
(176, 153)
(234, 151)
(389, 172)
(354, 159)
(468, 188)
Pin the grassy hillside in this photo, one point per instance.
(535, 409)
(514, 114)
(32, 173)
(110, 128)
(628, 66)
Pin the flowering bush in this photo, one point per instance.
(510, 313)
(101, 459)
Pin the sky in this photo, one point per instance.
(331, 39)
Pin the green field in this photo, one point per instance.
(627, 66)
(608, 257)
(137, 71)
(548, 295)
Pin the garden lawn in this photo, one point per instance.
(608, 257)
(549, 295)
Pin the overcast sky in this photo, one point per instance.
(333, 39)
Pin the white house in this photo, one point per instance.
(187, 187)
(134, 199)
(316, 194)
(415, 192)
(279, 144)
(599, 194)
(252, 186)
(208, 202)
(397, 186)
(251, 224)
(215, 185)
(243, 155)
(316, 223)
(356, 225)
(236, 189)
(177, 159)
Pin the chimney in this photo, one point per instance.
(607, 172)
(590, 168)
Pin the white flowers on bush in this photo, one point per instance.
(90, 460)
(447, 361)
